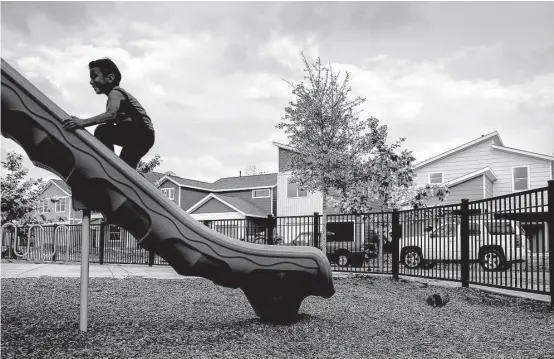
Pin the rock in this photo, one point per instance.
(437, 300)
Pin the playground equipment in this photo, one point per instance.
(275, 279)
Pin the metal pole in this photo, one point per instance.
(550, 235)
(85, 234)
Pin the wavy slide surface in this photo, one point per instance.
(275, 279)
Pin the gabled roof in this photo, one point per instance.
(226, 184)
(239, 205)
(524, 153)
(476, 141)
(58, 183)
(483, 171)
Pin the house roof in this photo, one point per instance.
(58, 183)
(483, 171)
(522, 152)
(461, 147)
(239, 205)
(153, 177)
(228, 183)
(285, 147)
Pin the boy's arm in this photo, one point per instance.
(114, 102)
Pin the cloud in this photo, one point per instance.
(211, 74)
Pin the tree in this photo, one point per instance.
(339, 154)
(252, 170)
(145, 167)
(20, 196)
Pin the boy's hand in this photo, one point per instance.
(72, 123)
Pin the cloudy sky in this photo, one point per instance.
(211, 74)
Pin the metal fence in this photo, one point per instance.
(503, 241)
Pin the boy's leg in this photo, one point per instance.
(109, 135)
(132, 152)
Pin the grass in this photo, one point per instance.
(193, 318)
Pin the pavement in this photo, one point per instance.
(33, 270)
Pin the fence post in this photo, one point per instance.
(270, 229)
(550, 233)
(316, 230)
(464, 242)
(395, 242)
(101, 244)
(151, 255)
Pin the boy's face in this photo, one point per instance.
(100, 83)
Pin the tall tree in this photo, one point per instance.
(339, 154)
(20, 196)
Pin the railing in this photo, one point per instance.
(503, 241)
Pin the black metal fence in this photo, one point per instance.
(504, 241)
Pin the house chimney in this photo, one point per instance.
(240, 173)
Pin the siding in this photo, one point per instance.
(302, 206)
(263, 203)
(213, 206)
(189, 197)
(483, 155)
(284, 159)
(471, 189)
(488, 188)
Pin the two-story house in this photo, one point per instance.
(237, 206)
(485, 168)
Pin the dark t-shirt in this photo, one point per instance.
(131, 111)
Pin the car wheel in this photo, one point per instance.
(491, 259)
(342, 258)
(412, 258)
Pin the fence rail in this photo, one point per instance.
(504, 241)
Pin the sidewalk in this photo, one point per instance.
(27, 270)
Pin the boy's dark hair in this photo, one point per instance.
(107, 66)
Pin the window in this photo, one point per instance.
(169, 192)
(293, 191)
(448, 230)
(340, 231)
(435, 177)
(521, 178)
(499, 227)
(260, 193)
(59, 204)
(43, 208)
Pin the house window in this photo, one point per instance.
(59, 204)
(435, 178)
(521, 178)
(293, 191)
(260, 193)
(44, 205)
(169, 192)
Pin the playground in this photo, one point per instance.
(130, 316)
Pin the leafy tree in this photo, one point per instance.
(145, 167)
(20, 196)
(338, 154)
(252, 170)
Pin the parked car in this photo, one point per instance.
(493, 244)
(341, 252)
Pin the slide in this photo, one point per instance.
(275, 279)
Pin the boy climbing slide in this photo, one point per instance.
(125, 122)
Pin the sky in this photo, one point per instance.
(211, 75)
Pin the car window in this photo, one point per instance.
(447, 230)
(474, 229)
(498, 227)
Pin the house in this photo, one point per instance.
(55, 202)
(235, 206)
(485, 167)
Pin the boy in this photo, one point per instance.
(125, 122)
